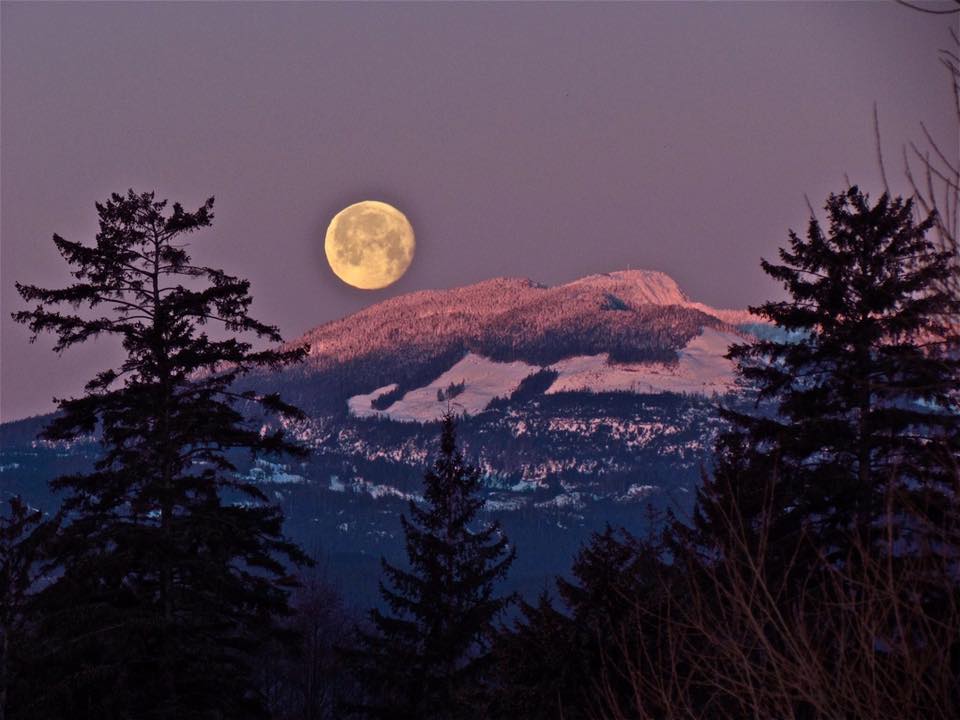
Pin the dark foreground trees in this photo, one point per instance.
(552, 661)
(23, 537)
(821, 575)
(426, 656)
(173, 571)
(864, 393)
(307, 683)
(734, 636)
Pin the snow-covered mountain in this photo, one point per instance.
(632, 331)
(635, 312)
(581, 402)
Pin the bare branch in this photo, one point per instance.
(930, 11)
(876, 134)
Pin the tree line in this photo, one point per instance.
(818, 577)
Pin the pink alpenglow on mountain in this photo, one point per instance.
(628, 331)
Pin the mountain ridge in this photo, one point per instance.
(580, 403)
(634, 288)
(631, 316)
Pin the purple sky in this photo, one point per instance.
(541, 140)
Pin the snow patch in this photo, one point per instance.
(567, 501)
(377, 491)
(268, 472)
(643, 287)
(636, 492)
(360, 404)
(701, 369)
(525, 486)
(651, 287)
(483, 380)
(499, 505)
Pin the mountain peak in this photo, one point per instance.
(639, 287)
(513, 318)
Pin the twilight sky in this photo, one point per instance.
(541, 140)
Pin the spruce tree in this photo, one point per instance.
(860, 391)
(173, 570)
(426, 654)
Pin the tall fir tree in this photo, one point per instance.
(426, 656)
(173, 570)
(862, 388)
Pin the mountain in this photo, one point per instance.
(633, 316)
(583, 403)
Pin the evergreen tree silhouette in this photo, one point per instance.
(551, 664)
(537, 665)
(425, 656)
(172, 568)
(24, 536)
(863, 395)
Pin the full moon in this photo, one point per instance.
(369, 245)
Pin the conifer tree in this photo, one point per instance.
(426, 654)
(862, 388)
(23, 536)
(172, 568)
(537, 665)
(553, 664)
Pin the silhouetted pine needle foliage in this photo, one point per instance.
(172, 571)
(869, 396)
(426, 655)
(819, 578)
